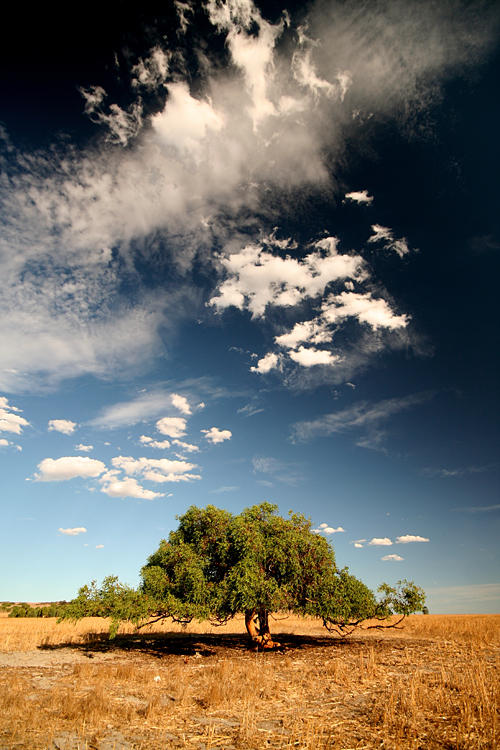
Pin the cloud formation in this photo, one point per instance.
(74, 531)
(392, 558)
(66, 426)
(214, 435)
(69, 467)
(272, 120)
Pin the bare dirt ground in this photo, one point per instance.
(432, 685)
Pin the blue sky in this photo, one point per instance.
(250, 252)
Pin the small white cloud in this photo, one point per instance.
(174, 427)
(312, 357)
(380, 542)
(407, 538)
(189, 447)
(10, 422)
(214, 435)
(181, 403)
(99, 546)
(128, 487)
(73, 532)
(394, 558)
(386, 236)
(161, 444)
(68, 467)
(4, 442)
(267, 363)
(324, 528)
(358, 545)
(359, 196)
(84, 448)
(66, 426)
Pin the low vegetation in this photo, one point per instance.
(433, 684)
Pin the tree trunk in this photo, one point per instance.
(261, 635)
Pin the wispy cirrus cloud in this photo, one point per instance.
(361, 415)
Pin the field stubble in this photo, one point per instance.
(433, 684)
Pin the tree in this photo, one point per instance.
(216, 565)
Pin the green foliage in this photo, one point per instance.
(55, 609)
(217, 564)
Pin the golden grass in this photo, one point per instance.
(432, 685)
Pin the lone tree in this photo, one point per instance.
(217, 565)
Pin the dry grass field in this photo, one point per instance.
(433, 684)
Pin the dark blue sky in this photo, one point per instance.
(249, 252)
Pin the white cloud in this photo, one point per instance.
(365, 308)
(277, 117)
(479, 508)
(73, 532)
(174, 427)
(189, 447)
(84, 448)
(257, 278)
(359, 196)
(380, 541)
(66, 426)
(324, 528)
(358, 545)
(9, 420)
(223, 489)
(160, 444)
(279, 470)
(393, 558)
(185, 121)
(181, 403)
(214, 435)
(386, 236)
(69, 467)
(156, 469)
(99, 546)
(142, 408)
(359, 416)
(407, 538)
(4, 442)
(128, 487)
(267, 363)
(312, 357)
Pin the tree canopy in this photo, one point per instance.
(217, 564)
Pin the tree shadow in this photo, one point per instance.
(201, 645)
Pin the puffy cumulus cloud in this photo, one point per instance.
(66, 426)
(275, 119)
(128, 487)
(408, 538)
(84, 448)
(10, 421)
(360, 416)
(174, 427)
(161, 444)
(181, 403)
(73, 532)
(266, 363)
(359, 196)
(156, 469)
(69, 467)
(364, 307)
(4, 442)
(311, 357)
(378, 541)
(325, 528)
(257, 278)
(214, 435)
(392, 558)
